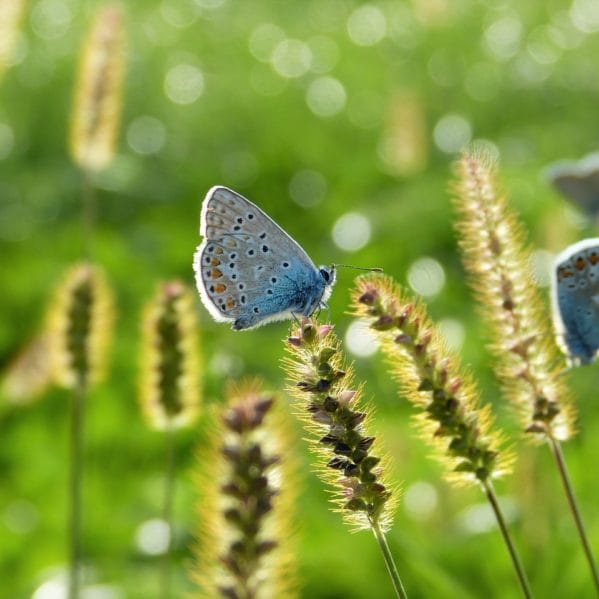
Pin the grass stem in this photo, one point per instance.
(560, 462)
(524, 584)
(88, 215)
(167, 512)
(389, 563)
(75, 483)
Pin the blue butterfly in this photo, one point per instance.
(576, 299)
(578, 181)
(248, 270)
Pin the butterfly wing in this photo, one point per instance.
(576, 299)
(248, 270)
(579, 182)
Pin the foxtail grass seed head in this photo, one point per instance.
(497, 258)
(10, 17)
(328, 401)
(30, 373)
(450, 418)
(247, 488)
(404, 145)
(98, 92)
(80, 327)
(169, 368)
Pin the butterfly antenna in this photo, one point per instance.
(373, 269)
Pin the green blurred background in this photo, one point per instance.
(341, 119)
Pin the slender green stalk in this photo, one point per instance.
(167, 512)
(76, 475)
(490, 492)
(389, 563)
(560, 463)
(88, 215)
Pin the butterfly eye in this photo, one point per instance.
(325, 274)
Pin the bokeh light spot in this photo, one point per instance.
(585, 15)
(367, 25)
(179, 14)
(351, 231)
(184, 84)
(563, 33)
(291, 58)
(420, 500)
(486, 146)
(55, 588)
(325, 54)
(18, 52)
(479, 518)
(541, 263)
(426, 276)
(528, 72)
(146, 135)
(541, 48)
(20, 517)
(503, 37)
(263, 40)
(326, 97)
(226, 364)
(452, 133)
(153, 537)
(453, 332)
(360, 339)
(50, 19)
(308, 188)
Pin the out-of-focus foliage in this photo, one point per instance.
(341, 119)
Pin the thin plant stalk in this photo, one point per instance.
(528, 362)
(330, 405)
(450, 417)
(75, 483)
(79, 325)
(562, 469)
(167, 512)
(88, 215)
(247, 495)
(517, 563)
(389, 562)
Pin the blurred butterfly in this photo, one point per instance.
(248, 270)
(30, 372)
(578, 181)
(576, 299)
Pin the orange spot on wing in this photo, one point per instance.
(562, 273)
(219, 251)
(230, 303)
(580, 263)
(215, 273)
(220, 288)
(215, 261)
(593, 258)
